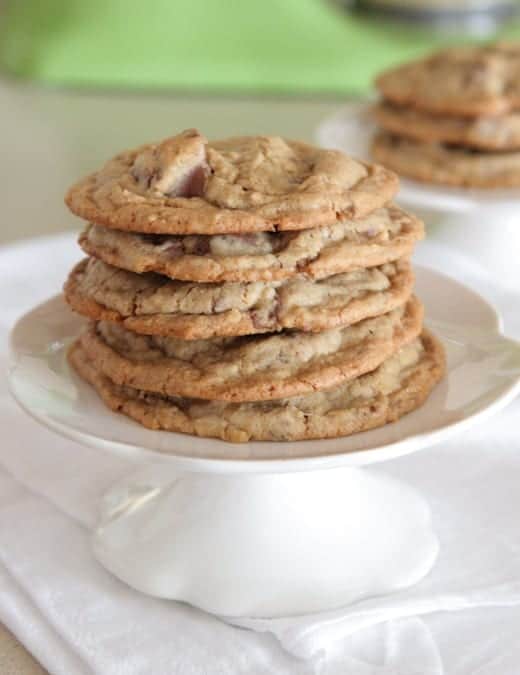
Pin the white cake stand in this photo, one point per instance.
(484, 224)
(268, 529)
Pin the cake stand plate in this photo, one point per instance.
(483, 223)
(268, 529)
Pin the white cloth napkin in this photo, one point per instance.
(76, 618)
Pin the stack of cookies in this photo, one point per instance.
(453, 118)
(249, 289)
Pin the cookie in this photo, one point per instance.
(250, 368)
(499, 132)
(187, 185)
(153, 305)
(469, 81)
(447, 165)
(399, 385)
(383, 236)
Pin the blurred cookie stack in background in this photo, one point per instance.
(453, 118)
(249, 289)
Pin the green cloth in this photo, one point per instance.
(294, 46)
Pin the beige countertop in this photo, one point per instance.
(52, 137)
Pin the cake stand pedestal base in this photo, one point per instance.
(269, 529)
(265, 545)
